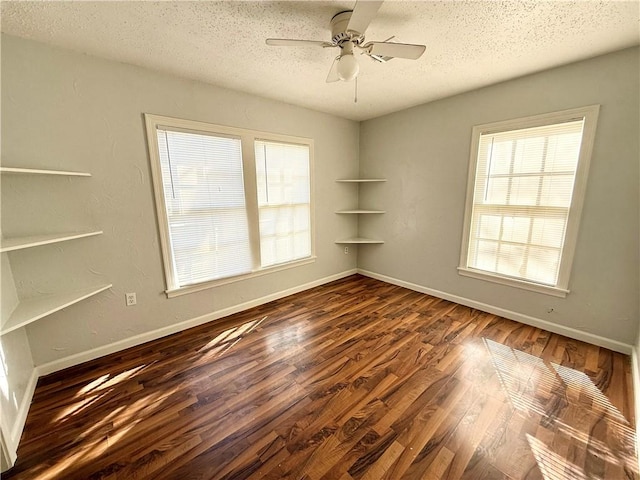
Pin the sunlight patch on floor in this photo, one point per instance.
(226, 340)
(562, 390)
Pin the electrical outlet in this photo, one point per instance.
(130, 299)
(346, 250)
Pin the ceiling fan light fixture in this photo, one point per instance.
(348, 67)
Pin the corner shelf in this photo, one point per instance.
(361, 180)
(360, 211)
(18, 243)
(31, 309)
(358, 240)
(37, 171)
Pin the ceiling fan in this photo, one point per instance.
(347, 34)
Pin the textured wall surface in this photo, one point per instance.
(66, 110)
(424, 153)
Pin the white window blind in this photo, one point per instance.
(524, 202)
(283, 184)
(203, 186)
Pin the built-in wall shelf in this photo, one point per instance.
(361, 180)
(360, 211)
(18, 243)
(358, 240)
(27, 308)
(37, 171)
(32, 309)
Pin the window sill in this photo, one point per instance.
(176, 292)
(512, 282)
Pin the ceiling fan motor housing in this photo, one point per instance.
(339, 34)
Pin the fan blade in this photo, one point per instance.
(333, 72)
(363, 13)
(287, 42)
(397, 50)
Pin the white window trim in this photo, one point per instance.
(590, 115)
(198, 287)
(248, 137)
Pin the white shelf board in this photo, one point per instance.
(32, 309)
(360, 211)
(359, 240)
(361, 180)
(18, 243)
(37, 171)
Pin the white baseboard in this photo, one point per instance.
(635, 378)
(70, 361)
(518, 317)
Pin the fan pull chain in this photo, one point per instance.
(355, 97)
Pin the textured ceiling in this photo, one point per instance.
(469, 43)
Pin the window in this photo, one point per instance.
(231, 203)
(283, 201)
(526, 186)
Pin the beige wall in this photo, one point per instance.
(424, 153)
(66, 110)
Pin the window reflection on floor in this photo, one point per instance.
(579, 421)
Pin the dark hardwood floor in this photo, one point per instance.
(357, 379)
